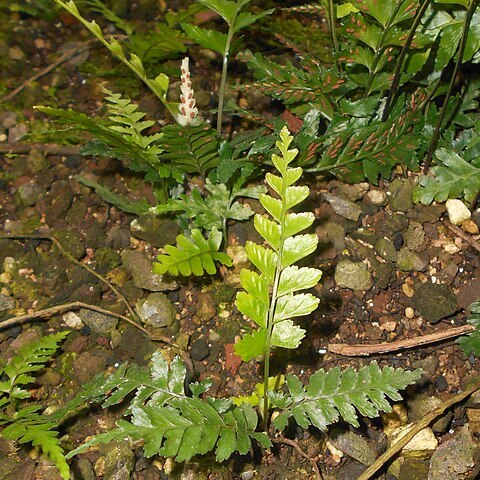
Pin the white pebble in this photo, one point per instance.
(457, 211)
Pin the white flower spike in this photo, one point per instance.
(187, 107)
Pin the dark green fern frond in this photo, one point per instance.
(336, 393)
(191, 149)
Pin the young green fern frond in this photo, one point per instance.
(173, 425)
(336, 393)
(192, 256)
(273, 312)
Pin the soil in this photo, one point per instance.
(413, 275)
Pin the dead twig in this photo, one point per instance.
(18, 148)
(33, 236)
(464, 236)
(77, 50)
(375, 348)
(423, 423)
(296, 446)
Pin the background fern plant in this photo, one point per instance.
(25, 422)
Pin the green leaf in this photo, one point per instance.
(192, 256)
(251, 346)
(470, 343)
(210, 39)
(263, 258)
(137, 207)
(245, 19)
(289, 306)
(287, 335)
(252, 308)
(191, 149)
(227, 9)
(336, 393)
(452, 178)
(298, 247)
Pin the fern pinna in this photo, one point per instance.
(27, 424)
(166, 420)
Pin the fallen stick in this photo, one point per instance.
(298, 448)
(18, 148)
(32, 236)
(375, 348)
(77, 50)
(423, 423)
(464, 236)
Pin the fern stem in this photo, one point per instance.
(223, 82)
(392, 93)
(333, 33)
(273, 304)
(381, 48)
(461, 49)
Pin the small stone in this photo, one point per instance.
(420, 446)
(457, 211)
(456, 458)
(344, 208)
(157, 231)
(98, 322)
(414, 237)
(199, 350)
(377, 197)
(119, 463)
(353, 445)
(401, 192)
(408, 290)
(422, 404)
(87, 365)
(385, 274)
(6, 302)
(16, 133)
(36, 162)
(16, 53)
(435, 301)
(385, 248)
(141, 270)
(409, 261)
(72, 320)
(353, 192)
(29, 193)
(82, 468)
(353, 275)
(8, 119)
(118, 238)
(471, 227)
(71, 242)
(156, 311)
(409, 312)
(206, 309)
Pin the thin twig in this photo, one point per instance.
(423, 423)
(32, 236)
(296, 446)
(77, 50)
(375, 348)
(18, 148)
(460, 233)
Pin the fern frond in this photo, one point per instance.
(216, 208)
(196, 255)
(29, 359)
(471, 343)
(113, 143)
(294, 86)
(191, 149)
(173, 425)
(336, 393)
(137, 207)
(34, 430)
(355, 149)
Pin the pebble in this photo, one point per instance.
(457, 211)
(377, 197)
(72, 320)
(409, 311)
(471, 227)
(199, 350)
(344, 208)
